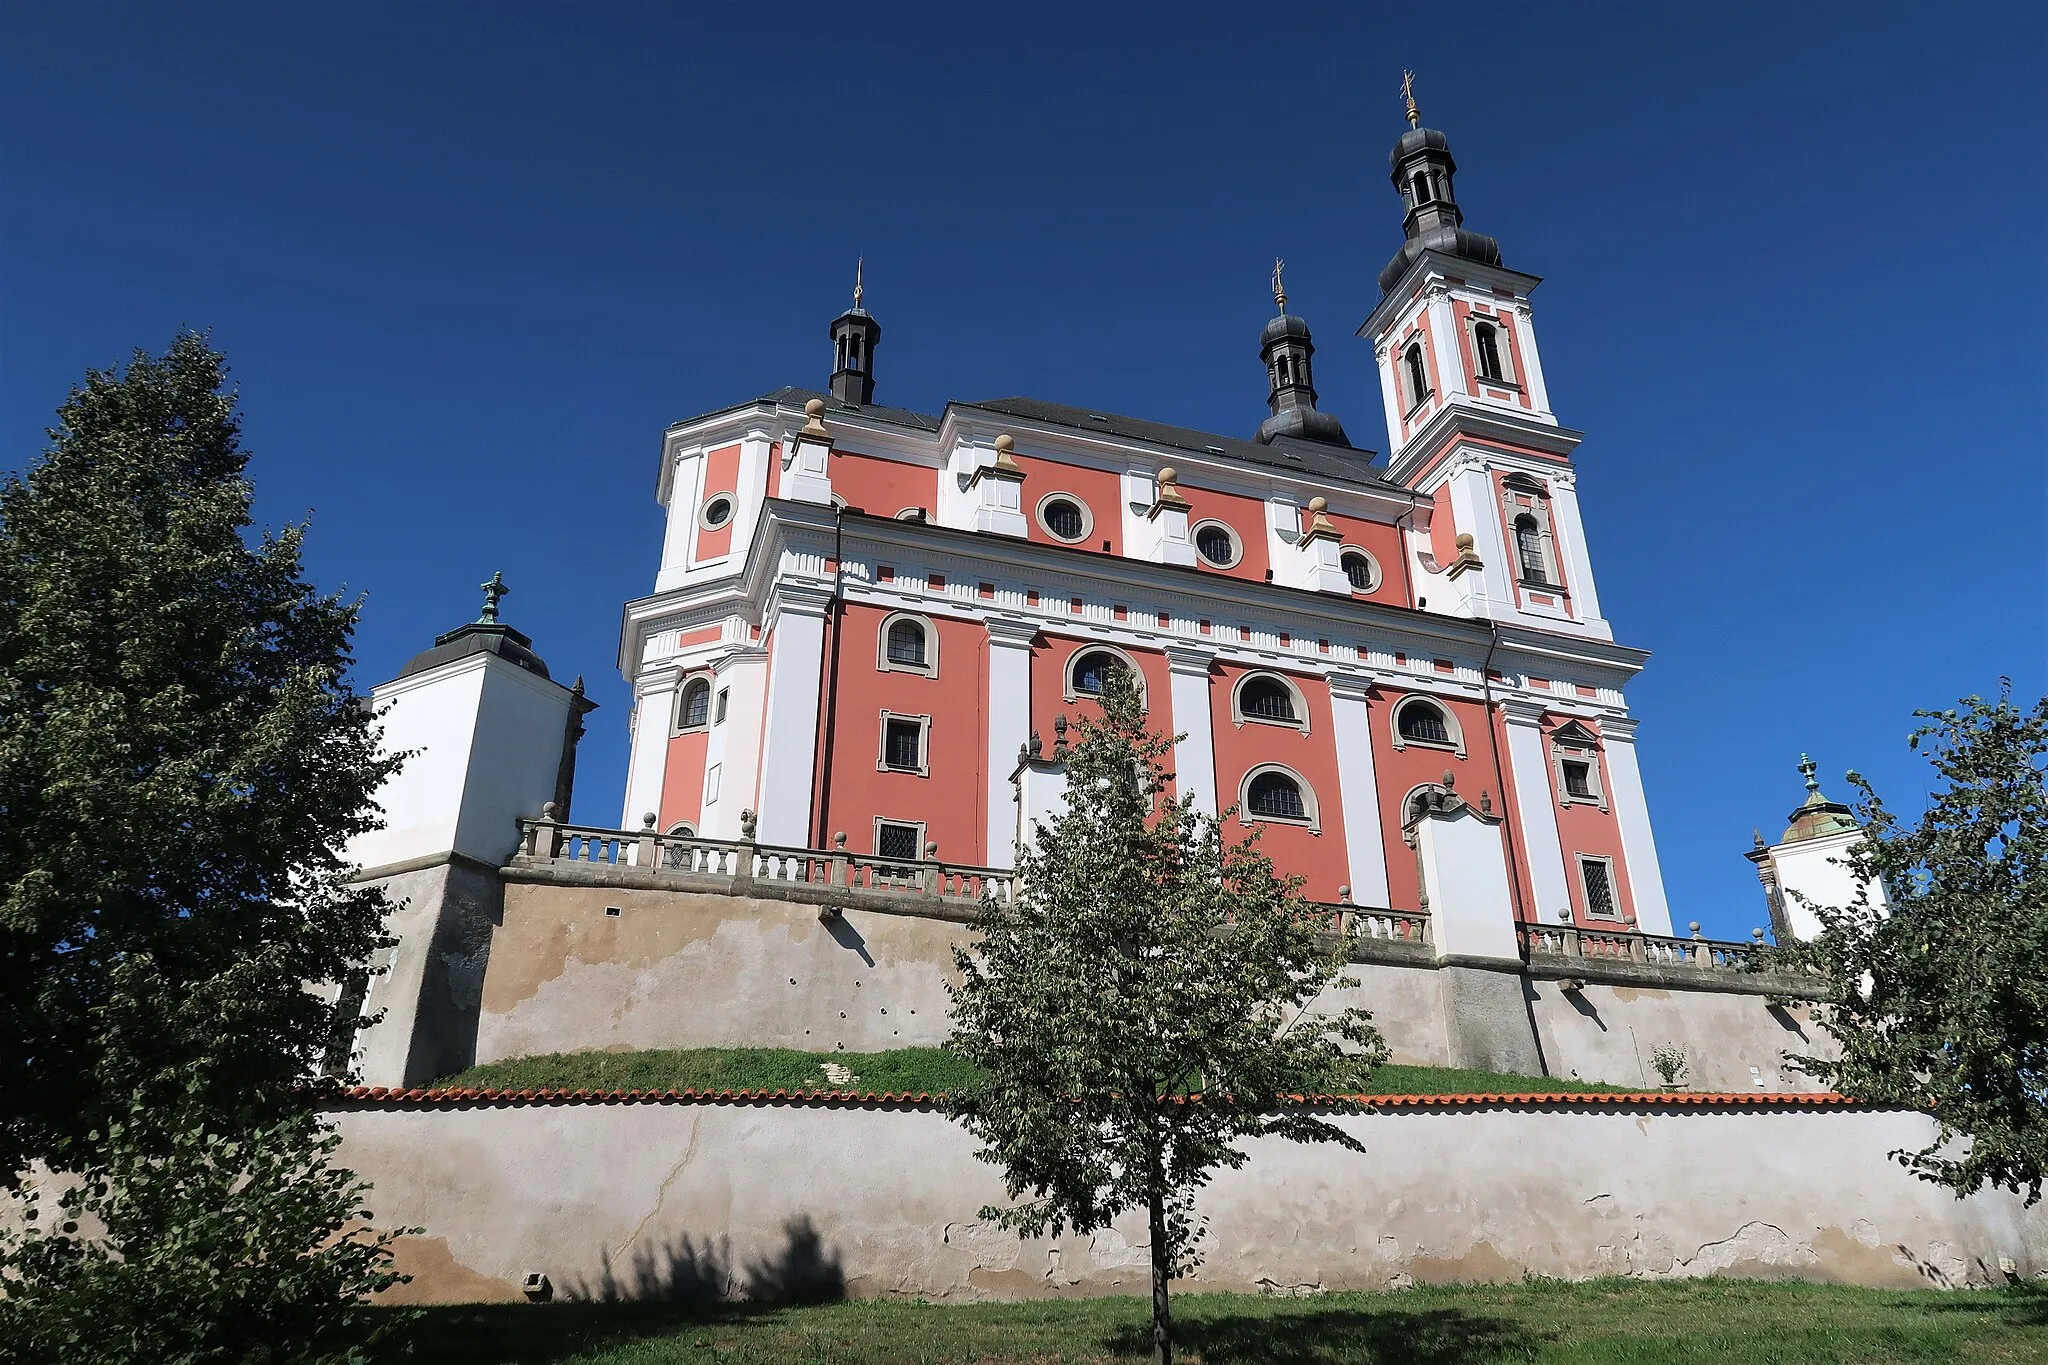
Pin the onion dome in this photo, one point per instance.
(1422, 168)
(1288, 350)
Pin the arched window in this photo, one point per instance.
(695, 709)
(1529, 551)
(1092, 669)
(1269, 698)
(1418, 720)
(1421, 186)
(1488, 346)
(1418, 380)
(906, 643)
(909, 644)
(1359, 568)
(1271, 792)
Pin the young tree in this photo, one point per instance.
(1942, 1003)
(182, 760)
(1140, 1006)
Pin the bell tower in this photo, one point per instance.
(1468, 413)
(855, 334)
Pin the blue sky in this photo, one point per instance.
(468, 261)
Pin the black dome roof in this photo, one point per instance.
(1418, 140)
(477, 638)
(1308, 424)
(1283, 325)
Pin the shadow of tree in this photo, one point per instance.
(803, 1270)
(1438, 1336)
(2022, 1305)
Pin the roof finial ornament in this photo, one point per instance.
(859, 264)
(1408, 96)
(494, 592)
(1279, 292)
(1808, 768)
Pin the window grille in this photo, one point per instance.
(1529, 548)
(1091, 671)
(1578, 778)
(896, 841)
(1421, 721)
(1599, 889)
(902, 746)
(1275, 795)
(1358, 569)
(906, 644)
(696, 705)
(1064, 520)
(1216, 545)
(1267, 698)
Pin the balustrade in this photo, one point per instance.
(1610, 945)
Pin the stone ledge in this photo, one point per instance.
(1610, 972)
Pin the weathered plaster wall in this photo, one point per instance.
(1607, 1032)
(432, 986)
(687, 969)
(660, 1199)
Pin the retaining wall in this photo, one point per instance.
(691, 1198)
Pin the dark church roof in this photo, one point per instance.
(477, 638)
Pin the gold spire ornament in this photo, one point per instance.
(859, 263)
(1408, 97)
(1279, 293)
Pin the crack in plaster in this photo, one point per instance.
(661, 1195)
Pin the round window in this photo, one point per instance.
(1063, 517)
(1358, 568)
(717, 512)
(1215, 544)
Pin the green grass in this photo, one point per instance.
(910, 1070)
(1601, 1322)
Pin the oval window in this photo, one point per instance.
(1215, 544)
(717, 512)
(1063, 518)
(1358, 568)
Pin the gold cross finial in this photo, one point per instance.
(1279, 294)
(859, 263)
(1408, 96)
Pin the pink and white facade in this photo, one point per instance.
(863, 615)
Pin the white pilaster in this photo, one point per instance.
(1450, 356)
(654, 705)
(1009, 729)
(1571, 538)
(789, 746)
(1632, 813)
(1537, 809)
(1358, 787)
(1476, 511)
(1528, 363)
(1194, 757)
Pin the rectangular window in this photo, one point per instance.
(1599, 880)
(1578, 778)
(724, 695)
(904, 747)
(895, 840)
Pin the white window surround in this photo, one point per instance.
(682, 829)
(1374, 576)
(1311, 818)
(1072, 693)
(1581, 861)
(711, 775)
(1236, 543)
(883, 663)
(704, 511)
(924, 744)
(1240, 717)
(691, 681)
(881, 820)
(1413, 376)
(1456, 743)
(1572, 743)
(1522, 496)
(1087, 517)
(1503, 333)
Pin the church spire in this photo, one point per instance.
(1287, 349)
(855, 334)
(1422, 170)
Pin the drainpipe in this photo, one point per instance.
(821, 834)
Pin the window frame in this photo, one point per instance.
(1236, 543)
(1522, 495)
(711, 500)
(1573, 743)
(1087, 517)
(1419, 374)
(676, 724)
(924, 744)
(1452, 727)
(721, 702)
(875, 838)
(1606, 863)
(1503, 350)
(1240, 717)
(1376, 576)
(1070, 692)
(884, 664)
(1311, 817)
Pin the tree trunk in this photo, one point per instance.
(1162, 1319)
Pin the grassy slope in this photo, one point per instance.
(904, 1070)
(1602, 1322)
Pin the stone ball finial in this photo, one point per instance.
(1694, 926)
(1758, 936)
(1168, 474)
(1005, 443)
(815, 409)
(1318, 505)
(1450, 780)
(1463, 542)
(1564, 916)
(647, 820)
(547, 810)
(814, 420)
(839, 839)
(931, 851)
(1343, 895)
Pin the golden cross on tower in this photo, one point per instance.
(1408, 97)
(859, 263)
(1279, 293)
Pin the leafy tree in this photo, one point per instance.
(182, 761)
(1942, 1003)
(182, 1245)
(1140, 1005)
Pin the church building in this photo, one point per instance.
(869, 624)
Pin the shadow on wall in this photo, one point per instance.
(1439, 1336)
(804, 1270)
